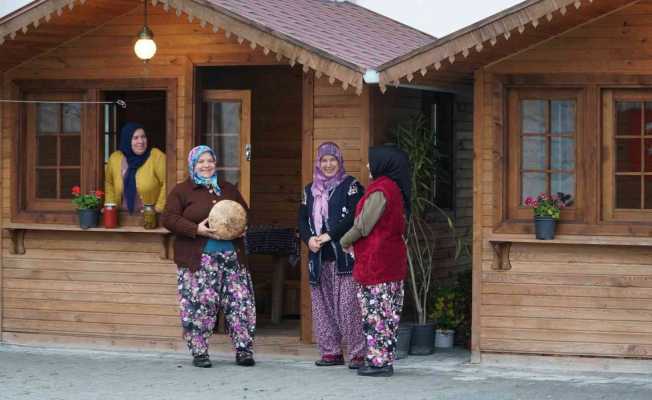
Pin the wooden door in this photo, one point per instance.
(226, 128)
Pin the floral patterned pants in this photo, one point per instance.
(221, 283)
(336, 314)
(381, 312)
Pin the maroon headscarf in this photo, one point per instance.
(322, 185)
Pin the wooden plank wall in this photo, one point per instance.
(339, 117)
(2, 192)
(111, 288)
(565, 299)
(81, 287)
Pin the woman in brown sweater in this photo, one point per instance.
(209, 275)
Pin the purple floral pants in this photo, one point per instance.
(221, 283)
(381, 312)
(336, 314)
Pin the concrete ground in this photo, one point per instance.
(51, 374)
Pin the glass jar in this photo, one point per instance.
(110, 215)
(149, 217)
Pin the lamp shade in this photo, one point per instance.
(145, 47)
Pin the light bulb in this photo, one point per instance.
(145, 47)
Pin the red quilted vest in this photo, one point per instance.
(381, 256)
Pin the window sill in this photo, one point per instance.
(501, 244)
(17, 234)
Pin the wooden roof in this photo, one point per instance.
(454, 58)
(337, 39)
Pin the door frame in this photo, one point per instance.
(244, 97)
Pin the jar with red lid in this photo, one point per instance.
(110, 215)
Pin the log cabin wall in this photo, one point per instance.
(563, 299)
(101, 288)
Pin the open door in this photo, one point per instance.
(226, 128)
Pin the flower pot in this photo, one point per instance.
(88, 218)
(544, 228)
(444, 338)
(423, 340)
(403, 339)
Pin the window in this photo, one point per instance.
(438, 109)
(627, 158)
(64, 137)
(543, 140)
(53, 153)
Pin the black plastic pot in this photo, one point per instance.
(423, 340)
(88, 218)
(544, 228)
(403, 339)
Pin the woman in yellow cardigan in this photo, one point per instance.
(135, 174)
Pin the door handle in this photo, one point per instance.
(248, 152)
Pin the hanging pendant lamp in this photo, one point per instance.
(145, 47)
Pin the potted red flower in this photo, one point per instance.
(547, 210)
(88, 206)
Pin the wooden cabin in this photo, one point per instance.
(265, 83)
(562, 102)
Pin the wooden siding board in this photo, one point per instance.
(71, 274)
(567, 299)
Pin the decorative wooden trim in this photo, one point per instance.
(477, 37)
(254, 35)
(501, 255)
(43, 10)
(247, 33)
(307, 144)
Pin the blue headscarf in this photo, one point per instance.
(133, 162)
(193, 157)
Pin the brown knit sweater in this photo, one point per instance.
(187, 205)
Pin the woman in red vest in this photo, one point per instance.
(381, 254)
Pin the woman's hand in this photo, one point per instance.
(324, 238)
(204, 230)
(313, 244)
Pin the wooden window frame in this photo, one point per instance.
(515, 210)
(32, 202)
(244, 98)
(62, 211)
(608, 159)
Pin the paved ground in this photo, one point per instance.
(51, 374)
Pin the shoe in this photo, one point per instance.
(202, 361)
(369, 370)
(356, 363)
(245, 360)
(330, 360)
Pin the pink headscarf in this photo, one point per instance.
(322, 185)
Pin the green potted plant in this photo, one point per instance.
(448, 314)
(547, 210)
(88, 206)
(417, 139)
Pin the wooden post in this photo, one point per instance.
(478, 150)
(365, 133)
(2, 205)
(306, 176)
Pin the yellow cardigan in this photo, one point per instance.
(150, 180)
